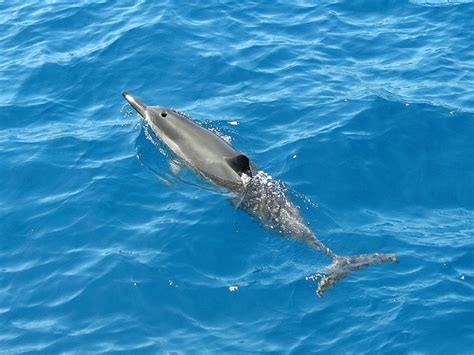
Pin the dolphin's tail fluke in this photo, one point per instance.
(342, 266)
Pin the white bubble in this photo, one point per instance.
(233, 288)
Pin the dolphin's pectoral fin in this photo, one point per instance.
(240, 164)
(175, 167)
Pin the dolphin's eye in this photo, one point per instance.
(163, 114)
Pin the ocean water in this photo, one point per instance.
(364, 109)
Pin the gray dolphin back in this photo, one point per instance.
(203, 150)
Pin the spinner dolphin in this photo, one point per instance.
(216, 160)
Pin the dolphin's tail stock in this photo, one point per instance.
(342, 266)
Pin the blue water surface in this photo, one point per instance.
(365, 109)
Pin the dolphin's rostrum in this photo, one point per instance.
(257, 193)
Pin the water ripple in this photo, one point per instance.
(364, 108)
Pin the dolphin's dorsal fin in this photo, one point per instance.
(240, 164)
